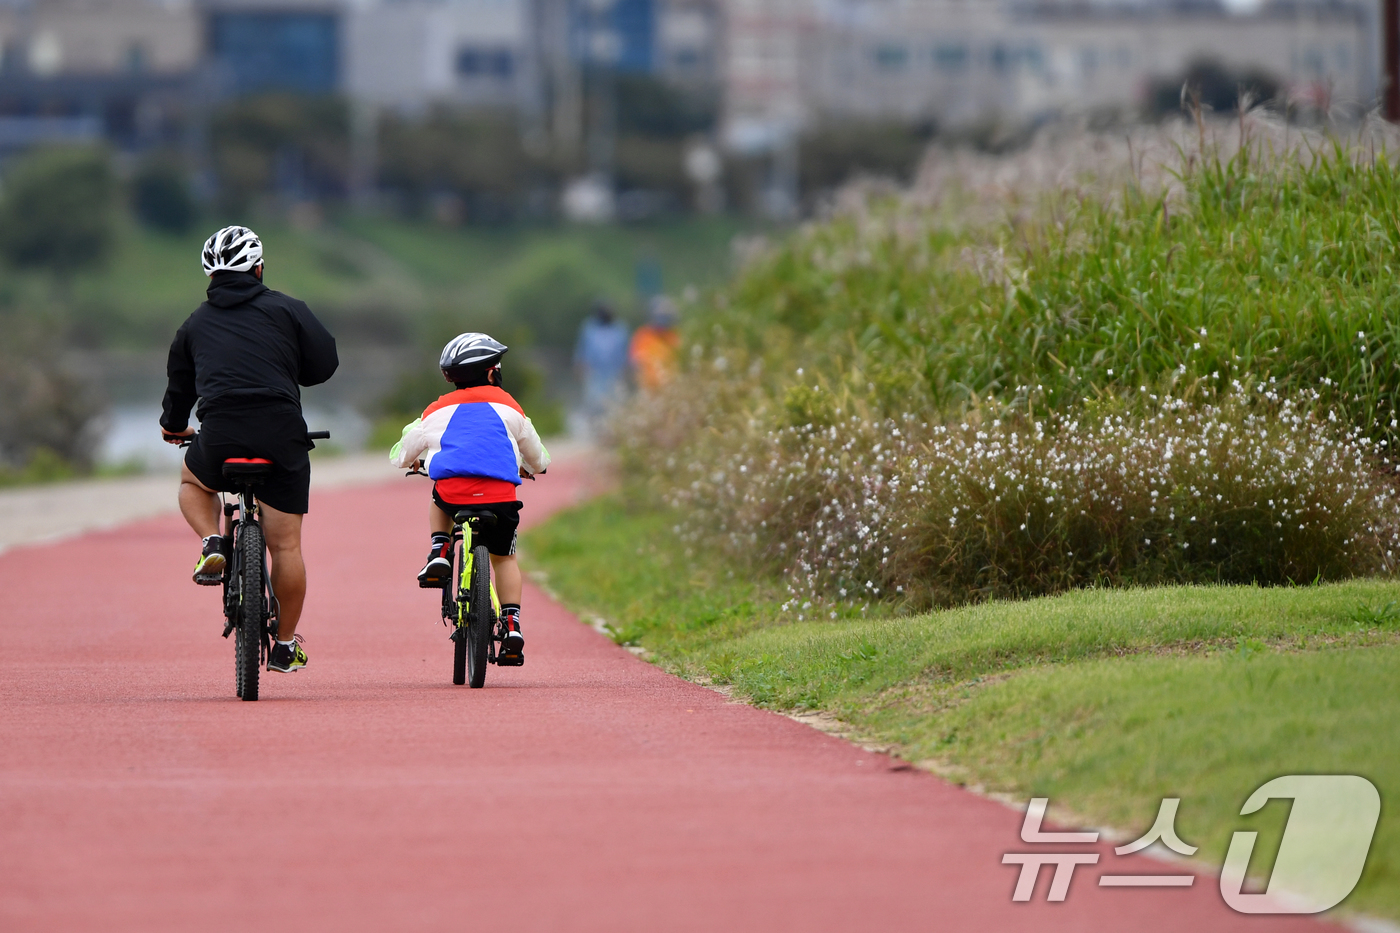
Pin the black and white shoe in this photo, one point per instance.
(512, 641)
(438, 570)
(210, 569)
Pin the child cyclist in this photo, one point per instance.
(476, 444)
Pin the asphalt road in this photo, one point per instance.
(587, 790)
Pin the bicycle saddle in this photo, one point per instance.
(246, 469)
(485, 516)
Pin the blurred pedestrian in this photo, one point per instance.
(655, 345)
(600, 357)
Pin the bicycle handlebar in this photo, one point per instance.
(187, 440)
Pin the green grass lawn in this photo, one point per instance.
(1106, 701)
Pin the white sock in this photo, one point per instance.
(287, 644)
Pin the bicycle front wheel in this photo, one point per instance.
(247, 639)
(482, 618)
(461, 618)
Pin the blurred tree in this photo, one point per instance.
(1218, 86)
(475, 157)
(651, 162)
(57, 210)
(549, 293)
(160, 194)
(46, 410)
(292, 145)
(836, 150)
(648, 106)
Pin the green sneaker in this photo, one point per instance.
(283, 659)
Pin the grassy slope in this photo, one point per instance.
(1104, 700)
(382, 267)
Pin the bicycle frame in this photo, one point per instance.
(464, 583)
(247, 509)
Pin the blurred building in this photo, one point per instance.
(83, 69)
(793, 62)
(286, 45)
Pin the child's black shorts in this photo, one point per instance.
(499, 539)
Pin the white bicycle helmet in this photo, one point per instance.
(232, 249)
(468, 353)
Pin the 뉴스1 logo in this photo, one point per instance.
(1320, 857)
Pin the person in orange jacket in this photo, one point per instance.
(655, 346)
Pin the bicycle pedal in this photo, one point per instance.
(510, 660)
(209, 579)
(432, 584)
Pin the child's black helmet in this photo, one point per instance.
(468, 354)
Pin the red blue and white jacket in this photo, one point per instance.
(473, 442)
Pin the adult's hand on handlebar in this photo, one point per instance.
(177, 437)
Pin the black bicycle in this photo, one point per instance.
(250, 605)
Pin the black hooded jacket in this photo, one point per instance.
(247, 346)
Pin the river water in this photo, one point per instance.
(132, 384)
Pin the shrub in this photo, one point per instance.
(549, 292)
(161, 198)
(1245, 488)
(47, 412)
(57, 211)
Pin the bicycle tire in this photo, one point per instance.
(482, 618)
(247, 638)
(459, 631)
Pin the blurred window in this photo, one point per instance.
(891, 57)
(1088, 60)
(950, 57)
(484, 62)
(1001, 58)
(1125, 57)
(1033, 59)
(1342, 57)
(136, 58)
(268, 49)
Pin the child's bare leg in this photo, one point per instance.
(508, 585)
(439, 522)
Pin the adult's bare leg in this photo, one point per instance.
(198, 504)
(282, 531)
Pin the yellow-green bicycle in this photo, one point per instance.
(471, 608)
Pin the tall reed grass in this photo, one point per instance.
(1191, 379)
(1263, 264)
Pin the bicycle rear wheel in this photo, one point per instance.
(247, 638)
(482, 618)
(461, 611)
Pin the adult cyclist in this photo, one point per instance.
(242, 354)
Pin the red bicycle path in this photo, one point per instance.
(588, 790)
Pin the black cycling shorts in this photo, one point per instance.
(499, 538)
(275, 433)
